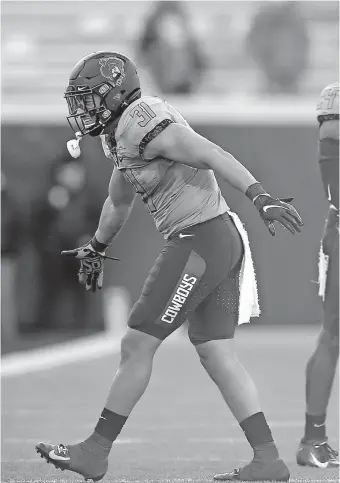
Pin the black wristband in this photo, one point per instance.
(254, 190)
(97, 246)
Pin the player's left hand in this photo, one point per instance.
(278, 210)
(91, 265)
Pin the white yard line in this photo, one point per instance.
(106, 343)
(45, 358)
(116, 309)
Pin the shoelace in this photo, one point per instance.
(62, 449)
(330, 450)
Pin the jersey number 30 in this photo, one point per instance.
(145, 113)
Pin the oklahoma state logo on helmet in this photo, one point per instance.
(112, 68)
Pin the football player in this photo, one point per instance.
(204, 272)
(314, 449)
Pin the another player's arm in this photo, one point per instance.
(116, 209)
(182, 144)
(329, 159)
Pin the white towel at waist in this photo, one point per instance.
(323, 268)
(249, 299)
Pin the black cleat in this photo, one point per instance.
(74, 458)
(257, 471)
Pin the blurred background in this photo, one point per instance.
(246, 74)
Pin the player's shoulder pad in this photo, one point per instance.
(328, 105)
(143, 121)
(330, 87)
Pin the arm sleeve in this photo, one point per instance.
(329, 167)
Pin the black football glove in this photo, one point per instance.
(278, 210)
(275, 210)
(91, 265)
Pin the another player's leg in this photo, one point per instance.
(314, 449)
(211, 330)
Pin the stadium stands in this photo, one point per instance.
(42, 41)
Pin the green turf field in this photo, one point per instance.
(181, 430)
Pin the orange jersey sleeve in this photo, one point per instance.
(142, 122)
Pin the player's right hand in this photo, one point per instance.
(278, 210)
(91, 265)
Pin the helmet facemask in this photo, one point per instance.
(88, 111)
(101, 86)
